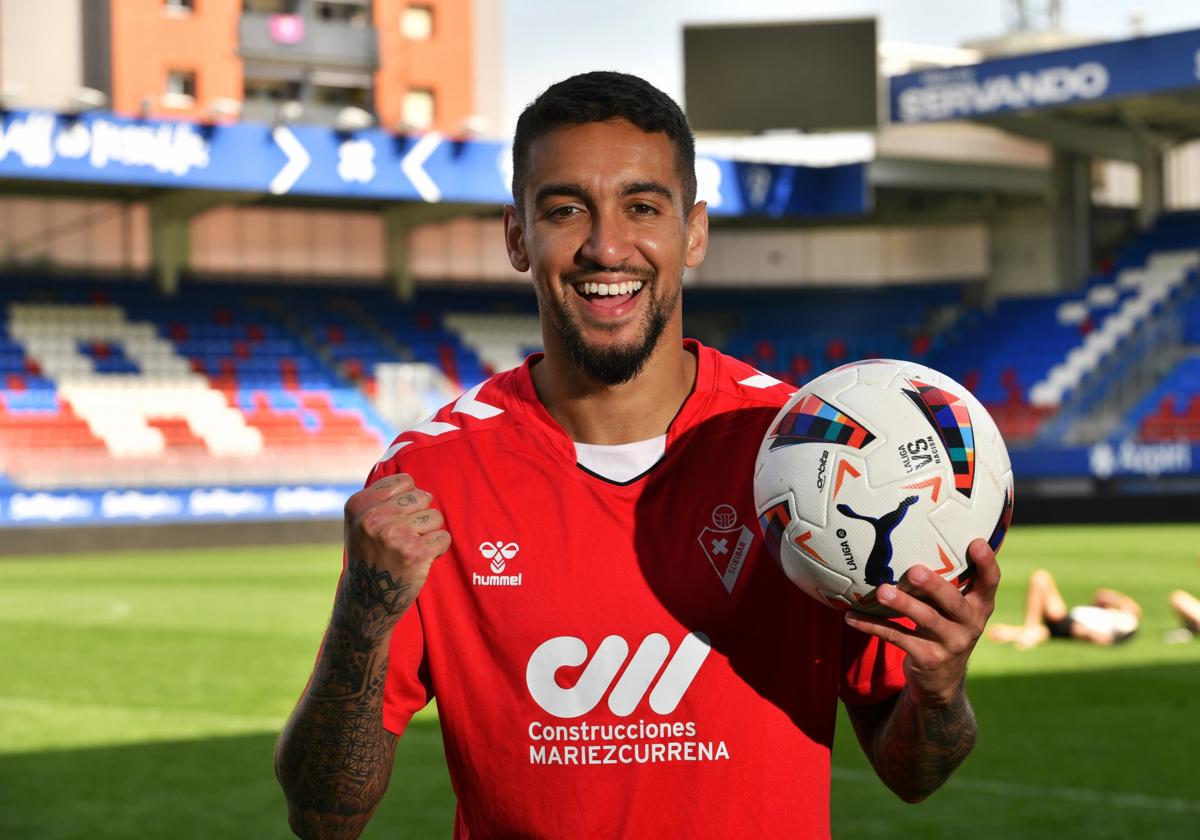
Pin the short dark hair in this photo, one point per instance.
(601, 96)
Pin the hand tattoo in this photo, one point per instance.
(365, 587)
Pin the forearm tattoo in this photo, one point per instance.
(918, 748)
(335, 758)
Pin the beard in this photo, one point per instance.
(616, 365)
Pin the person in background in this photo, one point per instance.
(1187, 607)
(1110, 619)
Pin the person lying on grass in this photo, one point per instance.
(1110, 619)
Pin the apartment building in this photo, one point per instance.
(411, 65)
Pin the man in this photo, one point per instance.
(1110, 619)
(612, 650)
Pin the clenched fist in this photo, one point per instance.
(392, 538)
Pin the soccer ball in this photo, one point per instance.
(873, 468)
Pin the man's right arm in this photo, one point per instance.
(334, 758)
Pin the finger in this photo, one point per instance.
(888, 631)
(412, 501)
(379, 490)
(931, 588)
(391, 485)
(987, 573)
(437, 541)
(928, 620)
(426, 521)
(389, 511)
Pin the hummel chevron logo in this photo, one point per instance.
(760, 380)
(498, 552)
(467, 404)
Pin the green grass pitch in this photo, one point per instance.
(142, 692)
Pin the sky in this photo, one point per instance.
(547, 40)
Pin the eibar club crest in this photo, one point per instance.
(726, 545)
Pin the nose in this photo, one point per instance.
(609, 242)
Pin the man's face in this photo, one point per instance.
(606, 237)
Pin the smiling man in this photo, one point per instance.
(613, 652)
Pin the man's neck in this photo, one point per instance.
(639, 409)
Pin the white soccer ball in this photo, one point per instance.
(873, 468)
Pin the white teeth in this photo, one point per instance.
(606, 289)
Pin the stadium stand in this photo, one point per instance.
(1171, 411)
(105, 383)
(795, 336)
(1030, 359)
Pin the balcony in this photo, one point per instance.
(319, 43)
(267, 111)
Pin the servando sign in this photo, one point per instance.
(1138, 67)
(959, 93)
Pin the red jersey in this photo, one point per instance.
(620, 660)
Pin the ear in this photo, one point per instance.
(514, 238)
(697, 235)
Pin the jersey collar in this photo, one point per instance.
(690, 413)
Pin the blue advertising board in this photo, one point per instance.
(47, 508)
(100, 148)
(1141, 66)
(1108, 460)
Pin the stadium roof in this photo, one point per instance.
(1101, 99)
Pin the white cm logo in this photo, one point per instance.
(569, 652)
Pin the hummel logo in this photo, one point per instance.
(498, 552)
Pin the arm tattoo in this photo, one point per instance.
(916, 749)
(334, 759)
(364, 588)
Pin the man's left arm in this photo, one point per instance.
(916, 739)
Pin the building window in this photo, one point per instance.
(337, 96)
(418, 111)
(416, 23)
(357, 13)
(181, 89)
(270, 7)
(271, 90)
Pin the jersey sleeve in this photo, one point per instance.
(872, 670)
(408, 688)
